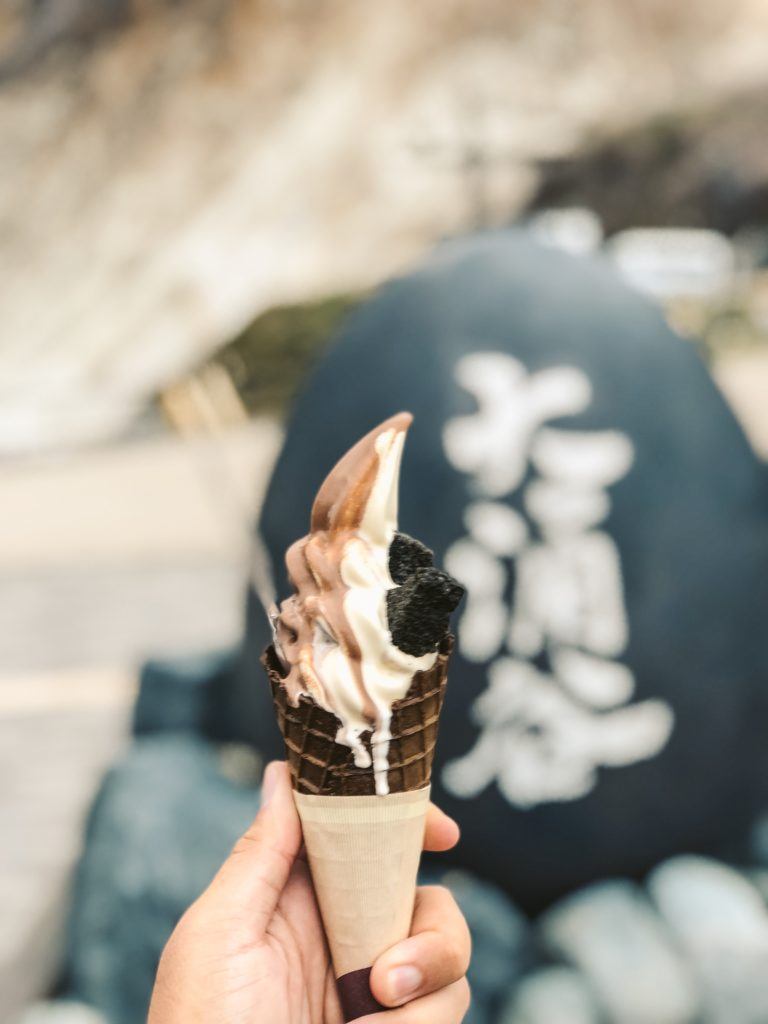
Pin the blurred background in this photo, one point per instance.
(194, 197)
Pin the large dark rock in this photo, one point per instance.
(186, 695)
(163, 822)
(607, 495)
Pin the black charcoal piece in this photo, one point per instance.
(406, 555)
(418, 611)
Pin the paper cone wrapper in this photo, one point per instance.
(363, 853)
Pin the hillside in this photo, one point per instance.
(171, 170)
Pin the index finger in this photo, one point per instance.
(441, 832)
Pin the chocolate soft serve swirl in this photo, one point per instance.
(332, 635)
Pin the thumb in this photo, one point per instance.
(252, 878)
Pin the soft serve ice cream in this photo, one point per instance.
(369, 610)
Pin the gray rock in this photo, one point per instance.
(611, 932)
(61, 1011)
(184, 695)
(759, 878)
(720, 920)
(554, 995)
(162, 823)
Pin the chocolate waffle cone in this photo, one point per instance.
(363, 849)
(321, 766)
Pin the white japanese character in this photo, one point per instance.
(483, 623)
(544, 735)
(492, 444)
(569, 591)
(540, 745)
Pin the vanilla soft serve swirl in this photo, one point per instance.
(332, 634)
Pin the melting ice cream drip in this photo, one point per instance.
(333, 634)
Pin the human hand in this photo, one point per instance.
(252, 950)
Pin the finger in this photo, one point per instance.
(448, 1006)
(254, 875)
(441, 833)
(435, 955)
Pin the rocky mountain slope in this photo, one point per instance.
(170, 170)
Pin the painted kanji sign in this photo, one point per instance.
(558, 703)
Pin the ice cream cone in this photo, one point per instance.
(358, 673)
(363, 849)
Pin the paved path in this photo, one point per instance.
(114, 555)
(116, 616)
